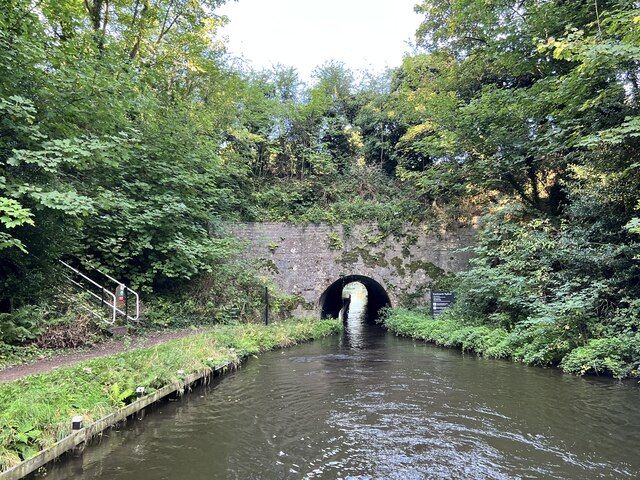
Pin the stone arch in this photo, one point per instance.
(302, 260)
(331, 302)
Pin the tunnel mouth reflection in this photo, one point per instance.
(369, 294)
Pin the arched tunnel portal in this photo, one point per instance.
(331, 301)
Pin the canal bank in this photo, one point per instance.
(37, 410)
(371, 405)
(611, 357)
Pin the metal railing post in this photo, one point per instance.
(266, 305)
(129, 290)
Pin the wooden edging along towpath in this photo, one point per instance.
(83, 435)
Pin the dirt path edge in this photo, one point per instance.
(110, 347)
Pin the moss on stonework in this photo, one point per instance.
(446, 281)
(411, 239)
(269, 265)
(335, 241)
(406, 252)
(369, 259)
(349, 258)
(414, 299)
(399, 265)
(308, 306)
(293, 302)
(432, 270)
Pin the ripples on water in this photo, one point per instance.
(372, 406)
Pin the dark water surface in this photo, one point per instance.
(369, 406)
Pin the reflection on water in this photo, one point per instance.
(390, 408)
(356, 320)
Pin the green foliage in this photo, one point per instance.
(17, 354)
(534, 343)
(335, 241)
(364, 194)
(618, 356)
(119, 397)
(13, 215)
(531, 112)
(126, 141)
(634, 224)
(273, 247)
(21, 325)
(449, 331)
(233, 294)
(110, 151)
(37, 409)
(555, 286)
(29, 323)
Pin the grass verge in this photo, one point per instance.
(535, 344)
(449, 332)
(36, 410)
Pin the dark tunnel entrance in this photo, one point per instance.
(332, 301)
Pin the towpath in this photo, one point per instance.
(103, 349)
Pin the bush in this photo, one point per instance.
(235, 295)
(617, 356)
(22, 325)
(71, 332)
(540, 342)
(449, 331)
(50, 325)
(564, 289)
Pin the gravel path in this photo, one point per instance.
(109, 347)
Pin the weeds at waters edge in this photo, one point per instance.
(448, 332)
(534, 345)
(36, 410)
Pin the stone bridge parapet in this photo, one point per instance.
(304, 260)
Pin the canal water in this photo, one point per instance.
(369, 405)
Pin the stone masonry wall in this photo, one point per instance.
(304, 260)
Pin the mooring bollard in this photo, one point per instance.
(139, 392)
(76, 422)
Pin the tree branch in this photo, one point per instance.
(135, 13)
(106, 19)
(164, 32)
(164, 21)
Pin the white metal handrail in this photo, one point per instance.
(91, 311)
(112, 306)
(135, 294)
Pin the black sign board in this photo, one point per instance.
(440, 301)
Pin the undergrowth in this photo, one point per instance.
(615, 356)
(36, 410)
